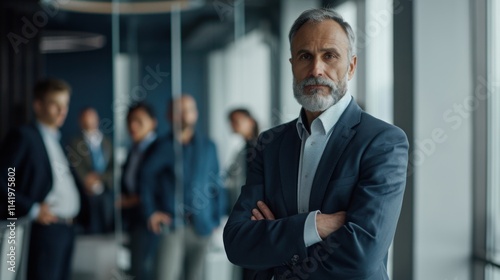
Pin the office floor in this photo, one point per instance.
(102, 258)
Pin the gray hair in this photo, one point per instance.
(319, 15)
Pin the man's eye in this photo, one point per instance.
(330, 56)
(305, 56)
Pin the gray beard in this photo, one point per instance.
(315, 102)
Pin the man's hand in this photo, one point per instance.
(157, 220)
(328, 223)
(91, 182)
(127, 201)
(262, 212)
(45, 216)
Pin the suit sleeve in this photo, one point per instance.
(154, 178)
(360, 246)
(15, 153)
(261, 245)
(146, 183)
(107, 177)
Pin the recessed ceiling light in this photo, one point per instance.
(124, 7)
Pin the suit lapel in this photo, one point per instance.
(340, 138)
(289, 166)
(87, 157)
(41, 147)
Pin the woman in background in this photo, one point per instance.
(244, 124)
(141, 124)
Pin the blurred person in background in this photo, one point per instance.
(46, 187)
(244, 124)
(94, 167)
(141, 123)
(184, 227)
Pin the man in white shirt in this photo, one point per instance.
(46, 188)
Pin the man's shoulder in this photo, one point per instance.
(24, 133)
(19, 140)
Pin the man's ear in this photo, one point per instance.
(37, 106)
(352, 66)
(155, 124)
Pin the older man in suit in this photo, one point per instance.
(46, 189)
(324, 192)
(91, 153)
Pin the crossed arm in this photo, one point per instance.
(325, 223)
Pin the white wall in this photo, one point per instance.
(239, 76)
(443, 83)
(379, 59)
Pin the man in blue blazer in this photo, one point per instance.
(46, 187)
(185, 206)
(324, 192)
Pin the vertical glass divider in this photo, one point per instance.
(176, 54)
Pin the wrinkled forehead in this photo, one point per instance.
(326, 33)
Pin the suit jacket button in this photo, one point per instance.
(295, 259)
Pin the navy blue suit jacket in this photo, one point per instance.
(362, 171)
(157, 181)
(24, 150)
(132, 216)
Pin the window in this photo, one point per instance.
(493, 226)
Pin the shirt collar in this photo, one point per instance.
(93, 137)
(47, 130)
(150, 138)
(327, 120)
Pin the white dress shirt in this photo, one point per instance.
(93, 138)
(63, 198)
(313, 146)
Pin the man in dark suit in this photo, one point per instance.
(92, 157)
(324, 192)
(184, 207)
(46, 188)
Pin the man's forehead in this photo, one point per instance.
(61, 94)
(327, 33)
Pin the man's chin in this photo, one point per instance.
(59, 124)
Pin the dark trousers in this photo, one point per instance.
(101, 212)
(50, 252)
(143, 246)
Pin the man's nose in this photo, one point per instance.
(317, 69)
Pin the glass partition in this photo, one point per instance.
(493, 221)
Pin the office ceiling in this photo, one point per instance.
(204, 27)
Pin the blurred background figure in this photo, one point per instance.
(94, 167)
(244, 124)
(141, 123)
(186, 226)
(46, 189)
